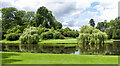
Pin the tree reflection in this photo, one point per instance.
(108, 49)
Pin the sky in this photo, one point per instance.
(71, 13)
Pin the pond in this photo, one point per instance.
(107, 49)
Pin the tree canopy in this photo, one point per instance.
(45, 17)
(92, 22)
(112, 28)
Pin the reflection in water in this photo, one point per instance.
(42, 48)
(107, 49)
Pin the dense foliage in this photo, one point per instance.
(47, 35)
(30, 36)
(51, 35)
(12, 37)
(112, 28)
(56, 35)
(13, 19)
(91, 36)
(18, 22)
(67, 32)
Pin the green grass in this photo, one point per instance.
(37, 58)
(58, 41)
(5, 41)
(109, 41)
(68, 40)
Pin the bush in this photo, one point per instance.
(16, 29)
(56, 35)
(12, 37)
(60, 30)
(65, 34)
(61, 37)
(71, 34)
(30, 36)
(41, 30)
(47, 35)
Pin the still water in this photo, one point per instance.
(107, 49)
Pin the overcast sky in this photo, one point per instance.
(71, 13)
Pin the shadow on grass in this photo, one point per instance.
(6, 56)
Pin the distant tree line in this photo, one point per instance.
(111, 28)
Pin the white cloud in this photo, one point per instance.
(63, 9)
(108, 9)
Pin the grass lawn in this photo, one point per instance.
(37, 58)
(67, 40)
(70, 40)
(57, 41)
(5, 41)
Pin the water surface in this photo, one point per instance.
(107, 49)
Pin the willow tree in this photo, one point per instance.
(91, 36)
(30, 36)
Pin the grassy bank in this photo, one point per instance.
(5, 41)
(32, 58)
(58, 41)
(70, 40)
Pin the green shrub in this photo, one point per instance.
(61, 37)
(71, 34)
(12, 37)
(65, 34)
(16, 29)
(47, 35)
(43, 36)
(56, 35)
(41, 30)
(60, 30)
(30, 36)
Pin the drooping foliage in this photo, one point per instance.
(30, 36)
(12, 37)
(91, 36)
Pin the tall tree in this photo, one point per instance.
(29, 15)
(58, 25)
(102, 26)
(92, 22)
(43, 14)
(45, 24)
(8, 17)
(20, 17)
